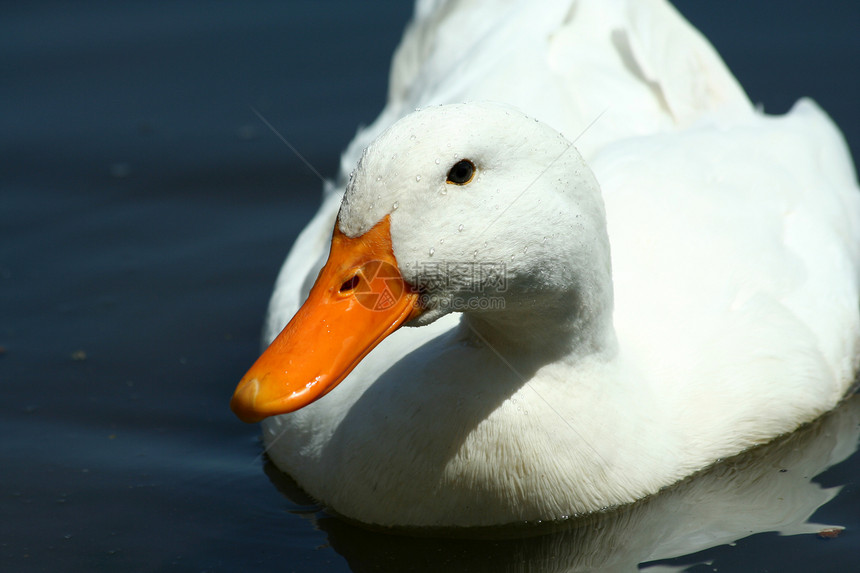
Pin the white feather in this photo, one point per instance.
(734, 258)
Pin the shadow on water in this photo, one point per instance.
(766, 489)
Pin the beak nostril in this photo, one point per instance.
(349, 284)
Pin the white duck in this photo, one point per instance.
(725, 314)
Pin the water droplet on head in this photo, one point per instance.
(379, 178)
(544, 239)
(438, 161)
(432, 250)
(460, 227)
(417, 178)
(444, 191)
(441, 241)
(525, 249)
(395, 205)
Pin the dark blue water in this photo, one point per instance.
(144, 213)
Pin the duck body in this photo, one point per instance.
(684, 288)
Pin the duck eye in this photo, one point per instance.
(462, 172)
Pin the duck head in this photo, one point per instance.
(471, 208)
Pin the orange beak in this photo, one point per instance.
(359, 298)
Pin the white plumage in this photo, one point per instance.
(731, 315)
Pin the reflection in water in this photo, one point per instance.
(765, 489)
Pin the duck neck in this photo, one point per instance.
(569, 321)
